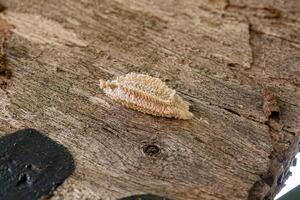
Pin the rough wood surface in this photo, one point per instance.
(236, 61)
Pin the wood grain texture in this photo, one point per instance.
(218, 55)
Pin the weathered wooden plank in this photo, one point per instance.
(218, 55)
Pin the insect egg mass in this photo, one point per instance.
(146, 94)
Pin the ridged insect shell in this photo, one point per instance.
(146, 94)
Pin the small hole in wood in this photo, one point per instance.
(269, 180)
(233, 65)
(274, 115)
(151, 150)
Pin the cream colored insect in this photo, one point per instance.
(146, 94)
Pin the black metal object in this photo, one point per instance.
(32, 165)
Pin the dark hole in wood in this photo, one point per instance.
(233, 65)
(59, 70)
(274, 115)
(198, 139)
(230, 64)
(151, 150)
(269, 180)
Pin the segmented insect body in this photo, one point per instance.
(146, 94)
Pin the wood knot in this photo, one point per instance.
(151, 150)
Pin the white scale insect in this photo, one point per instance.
(146, 94)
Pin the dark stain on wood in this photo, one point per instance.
(32, 165)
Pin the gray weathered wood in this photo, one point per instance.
(218, 55)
